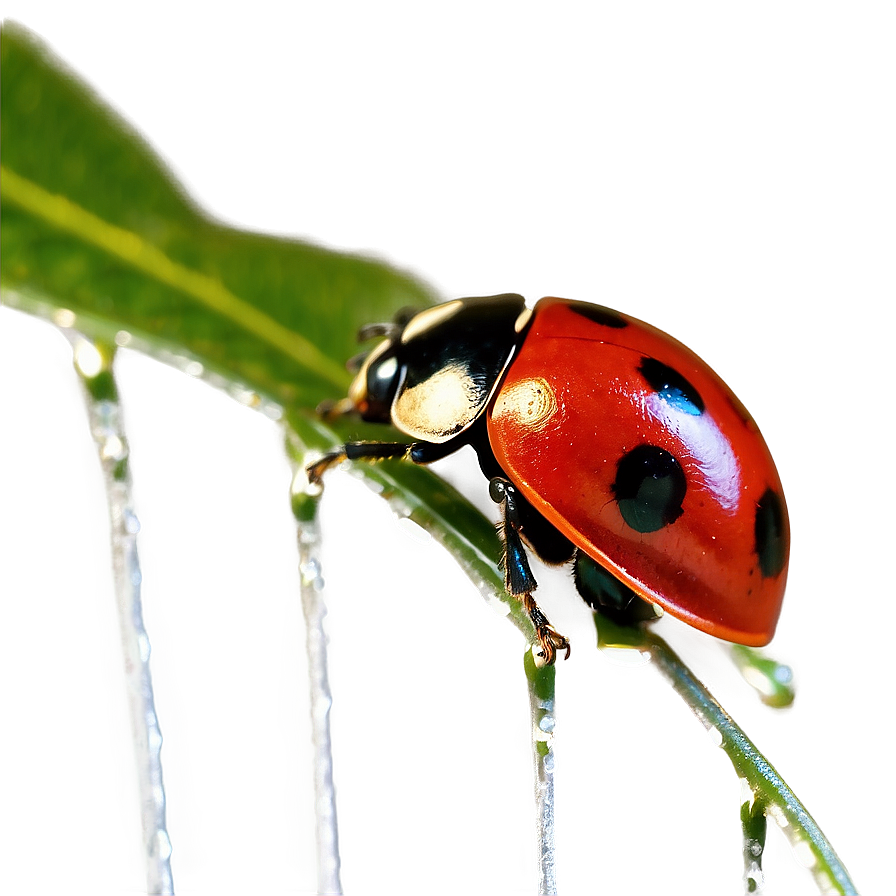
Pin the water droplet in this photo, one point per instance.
(548, 763)
(131, 523)
(547, 723)
(88, 360)
(310, 569)
(803, 853)
(123, 338)
(154, 736)
(144, 647)
(163, 845)
(244, 396)
(194, 368)
(62, 317)
(755, 879)
(714, 735)
(110, 443)
(322, 707)
(546, 730)
(783, 674)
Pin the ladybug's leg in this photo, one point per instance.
(607, 595)
(332, 410)
(518, 578)
(352, 451)
(418, 452)
(543, 538)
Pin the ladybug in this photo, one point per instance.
(606, 442)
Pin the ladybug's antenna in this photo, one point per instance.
(374, 331)
(392, 329)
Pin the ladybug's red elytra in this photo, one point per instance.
(606, 442)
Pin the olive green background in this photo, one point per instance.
(725, 175)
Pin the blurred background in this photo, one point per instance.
(724, 172)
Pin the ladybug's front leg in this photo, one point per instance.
(417, 452)
(518, 578)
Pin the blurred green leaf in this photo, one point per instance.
(94, 223)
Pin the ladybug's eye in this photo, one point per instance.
(382, 380)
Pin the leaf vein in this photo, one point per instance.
(133, 249)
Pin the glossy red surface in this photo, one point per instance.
(575, 400)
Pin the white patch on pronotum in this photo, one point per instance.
(428, 319)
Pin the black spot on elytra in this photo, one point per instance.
(606, 317)
(649, 488)
(672, 387)
(771, 538)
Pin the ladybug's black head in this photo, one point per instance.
(378, 373)
(373, 389)
(434, 372)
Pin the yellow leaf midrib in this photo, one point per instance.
(132, 249)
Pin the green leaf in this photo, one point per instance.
(95, 224)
